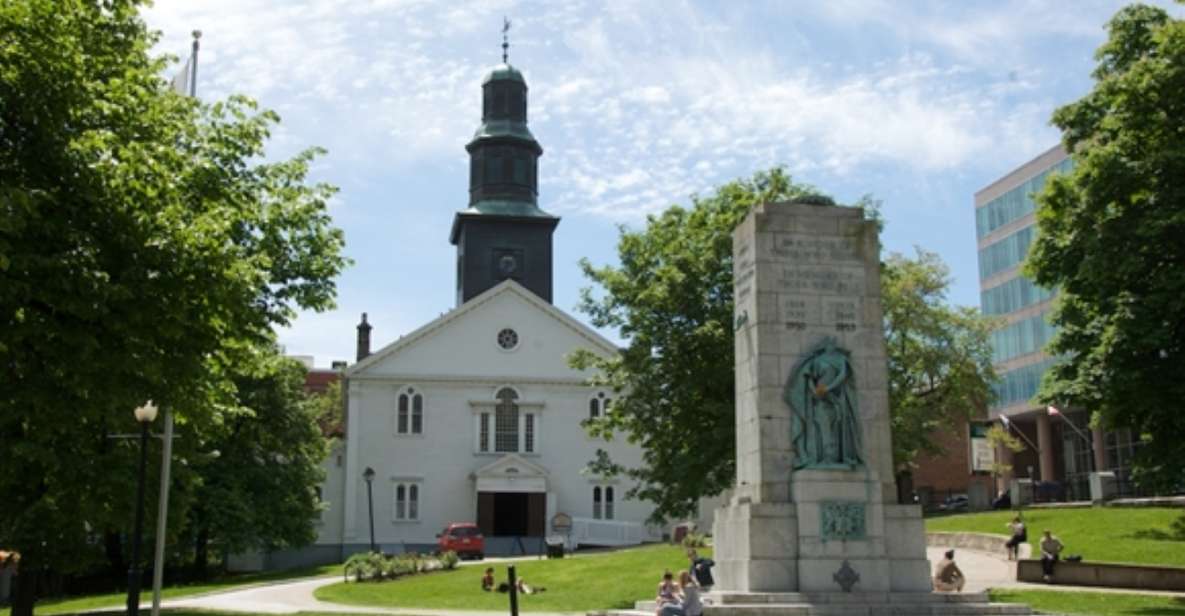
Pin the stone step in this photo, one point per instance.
(748, 598)
(837, 609)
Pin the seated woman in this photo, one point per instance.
(1019, 536)
(667, 602)
(487, 580)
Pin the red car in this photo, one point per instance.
(464, 538)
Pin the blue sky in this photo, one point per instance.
(637, 106)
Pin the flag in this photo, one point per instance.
(185, 82)
(1004, 419)
(1053, 411)
(180, 82)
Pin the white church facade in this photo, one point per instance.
(477, 416)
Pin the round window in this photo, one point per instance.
(508, 339)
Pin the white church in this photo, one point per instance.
(476, 416)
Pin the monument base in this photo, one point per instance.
(835, 536)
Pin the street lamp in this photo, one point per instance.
(144, 415)
(368, 475)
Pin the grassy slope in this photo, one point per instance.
(68, 605)
(1107, 534)
(576, 584)
(1093, 603)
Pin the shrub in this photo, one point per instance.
(449, 560)
(695, 540)
(364, 566)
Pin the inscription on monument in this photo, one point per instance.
(821, 279)
(841, 521)
(845, 314)
(800, 248)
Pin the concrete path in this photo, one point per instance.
(983, 571)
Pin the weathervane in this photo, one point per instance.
(505, 40)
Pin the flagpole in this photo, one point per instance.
(1008, 424)
(162, 511)
(197, 34)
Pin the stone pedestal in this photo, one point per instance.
(1103, 487)
(809, 275)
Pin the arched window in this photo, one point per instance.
(598, 405)
(506, 421)
(597, 503)
(407, 501)
(409, 416)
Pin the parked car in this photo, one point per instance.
(464, 538)
(959, 502)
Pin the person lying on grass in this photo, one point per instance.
(522, 586)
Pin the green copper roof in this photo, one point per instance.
(520, 209)
(503, 128)
(503, 72)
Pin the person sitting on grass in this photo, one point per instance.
(1019, 536)
(667, 601)
(1051, 550)
(947, 575)
(689, 595)
(487, 580)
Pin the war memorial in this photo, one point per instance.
(813, 525)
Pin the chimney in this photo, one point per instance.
(363, 339)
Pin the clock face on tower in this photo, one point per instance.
(508, 263)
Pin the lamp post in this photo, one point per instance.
(145, 415)
(368, 475)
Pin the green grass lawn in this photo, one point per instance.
(1142, 535)
(68, 605)
(1093, 603)
(574, 584)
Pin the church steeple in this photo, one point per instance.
(503, 233)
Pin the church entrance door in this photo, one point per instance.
(517, 514)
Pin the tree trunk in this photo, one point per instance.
(25, 591)
(201, 554)
(113, 548)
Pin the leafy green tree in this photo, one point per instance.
(671, 298)
(255, 487)
(940, 356)
(146, 247)
(1111, 241)
(998, 436)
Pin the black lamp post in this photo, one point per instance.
(368, 475)
(145, 415)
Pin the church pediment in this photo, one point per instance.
(507, 334)
(511, 465)
(511, 473)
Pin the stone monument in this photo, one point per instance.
(814, 508)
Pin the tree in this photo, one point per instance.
(998, 437)
(1110, 240)
(671, 298)
(146, 247)
(256, 482)
(940, 356)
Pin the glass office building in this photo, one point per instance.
(1005, 228)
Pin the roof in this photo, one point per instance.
(506, 286)
(503, 72)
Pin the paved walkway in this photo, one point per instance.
(983, 571)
